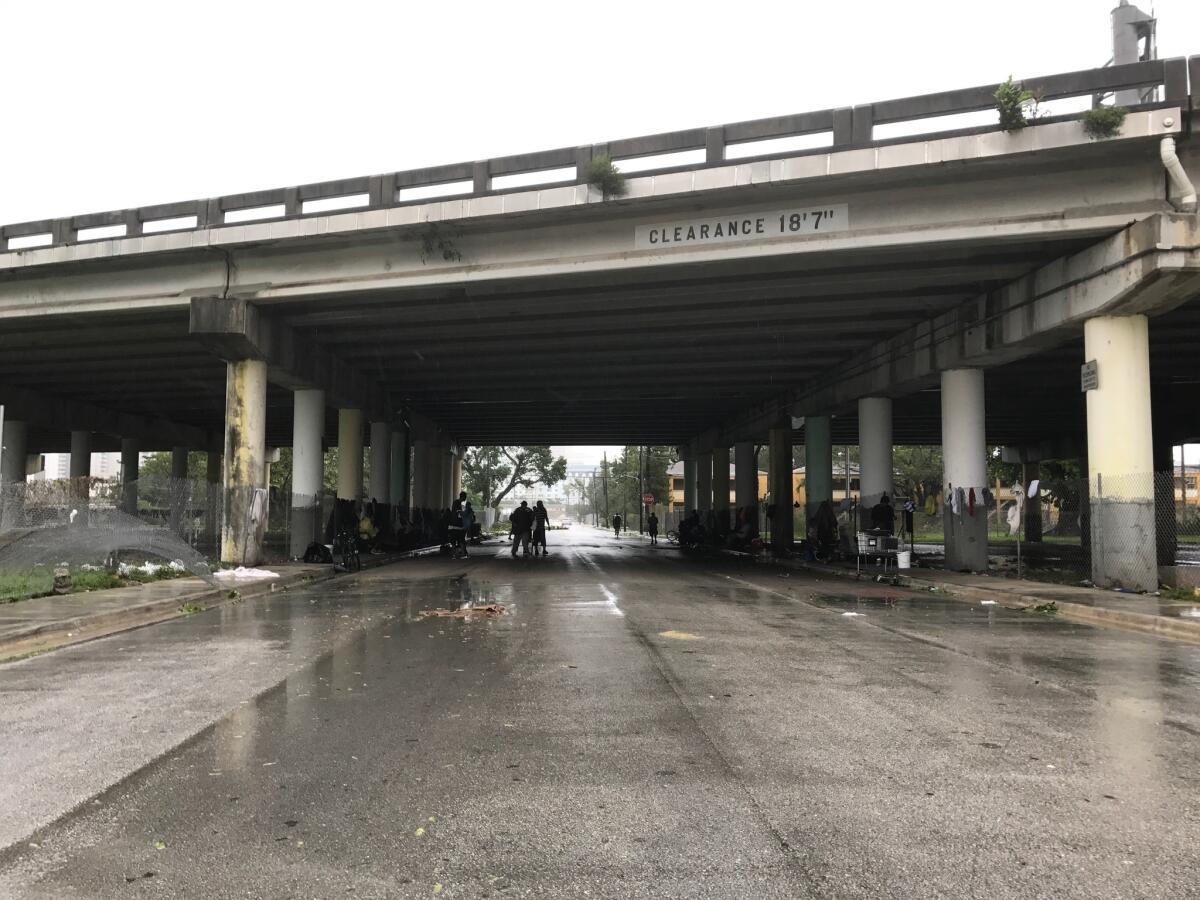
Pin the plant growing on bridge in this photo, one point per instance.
(1013, 102)
(603, 174)
(435, 242)
(1103, 122)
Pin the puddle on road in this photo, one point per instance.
(465, 599)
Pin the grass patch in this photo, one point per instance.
(1046, 609)
(39, 582)
(1178, 593)
(99, 580)
(189, 609)
(22, 586)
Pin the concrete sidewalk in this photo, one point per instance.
(1095, 606)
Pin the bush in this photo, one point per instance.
(603, 175)
(1103, 122)
(1011, 102)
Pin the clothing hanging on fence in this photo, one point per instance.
(909, 509)
(930, 506)
(971, 503)
(952, 499)
(960, 501)
(989, 498)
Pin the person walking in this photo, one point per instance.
(541, 519)
(522, 524)
(652, 528)
(617, 524)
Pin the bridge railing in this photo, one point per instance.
(1176, 82)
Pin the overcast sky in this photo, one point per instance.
(121, 104)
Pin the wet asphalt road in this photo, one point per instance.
(637, 725)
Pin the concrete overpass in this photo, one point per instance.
(810, 277)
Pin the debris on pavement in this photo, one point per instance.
(851, 614)
(241, 573)
(490, 611)
(680, 635)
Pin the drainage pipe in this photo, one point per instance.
(1183, 184)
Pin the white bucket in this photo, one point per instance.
(903, 559)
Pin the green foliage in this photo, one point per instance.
(99, 580)
(491, 473)
(1012, 102)
(190, 609)
(1103, 122)
(603, 174)
(1046, 609)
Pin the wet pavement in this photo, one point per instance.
(635, 724)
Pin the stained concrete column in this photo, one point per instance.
(308, 468)
(244, 518)
(720, 485)
(12, 470)
(441, 477)
(81, 454)
(1121, 454)
(179, 488)
(690, 483)
(745, 476)
(215, 482)
(422, 452)
(780, 479)
(129, 475)
(350, 454)
(704, 482)
(964, 461)
(456, 475)
(398, 469)
(874, 449)
(818, 463)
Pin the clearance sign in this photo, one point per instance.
(794, 222)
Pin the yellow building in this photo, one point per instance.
(675, 475)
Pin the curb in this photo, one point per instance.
(47, 636)
(1160, 626)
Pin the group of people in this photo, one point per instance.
(714, 528)
(529, 528)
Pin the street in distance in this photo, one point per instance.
(744, 227)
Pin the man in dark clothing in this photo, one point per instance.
(652, 528)
(522, 525)
(883, 515)
(617, 525)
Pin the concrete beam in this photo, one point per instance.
(62, 414)
(235, 329)
(1149, 267)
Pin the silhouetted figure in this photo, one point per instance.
(883, 515)
(522, 525)
(652, 529)
(541, 519)
(616, 522)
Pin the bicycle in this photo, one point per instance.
(347, 545)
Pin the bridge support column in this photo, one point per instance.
(745, 476)
(782, 528)
(129, 475)
(245, 514)
(381, 474)
(180, 494)
(704, 482)
(350, 462)
(398, 470)
(874, 449)
(818, 463)
(1121, 454)
(720, 486)
(422, 453)
(456, 474)
(308, 468)
(690, 483)
(964, 461)
(80, 470)
(12, 470)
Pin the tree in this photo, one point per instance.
(491, 473)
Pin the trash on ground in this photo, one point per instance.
(241, 573)
(490, 611)
(851, 614)
(988, 602)
(1192, 612)
(680, 635)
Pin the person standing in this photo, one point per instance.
(652, 528)
(541, 519)
(616, 523)
(522, 524)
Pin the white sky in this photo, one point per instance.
(122, 104)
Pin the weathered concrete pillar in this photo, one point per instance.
(1121, 454)
(964, 462)
(441, 476)
(720, 487)
(180, 495)
(456, 474)
(308, 469)
(381, 463)
(350, 454)
(422, 463)
(12, 471)
(780, 479)
(704, 482)
(818, 463)
(244, 517)
(398, 469)
(874, 449)
(745, 476)
(216, 480)
(81, 454)
(691, 478)
(129, 475)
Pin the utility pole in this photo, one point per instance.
(604, 470)
(641, 491)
